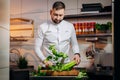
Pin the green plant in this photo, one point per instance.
(103, 27)
(38, 72)
(22, 62)
(82, 74)
(110, 25)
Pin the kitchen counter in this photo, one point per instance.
(101, 75)
(55, 78)
(93, 75)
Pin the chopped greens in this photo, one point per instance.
(82, 74)
(59, 65)
(38, 72)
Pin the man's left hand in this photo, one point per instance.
(77, 58)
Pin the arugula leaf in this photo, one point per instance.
(49, 57)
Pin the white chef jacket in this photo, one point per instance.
(61, 35)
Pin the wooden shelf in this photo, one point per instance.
(91, 15)
(20, 21)
(95, 35)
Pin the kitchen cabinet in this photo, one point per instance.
(19, 74)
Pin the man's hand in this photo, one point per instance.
(77, 58)
(47, 63)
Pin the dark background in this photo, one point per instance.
(117, 39)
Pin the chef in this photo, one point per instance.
(56, 32)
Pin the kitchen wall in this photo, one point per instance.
(38, 11)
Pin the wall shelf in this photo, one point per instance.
(95, 35)
(102, 14)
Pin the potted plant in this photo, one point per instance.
(22, 62)
(103, 28)
(20, 73)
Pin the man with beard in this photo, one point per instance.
(56, 32)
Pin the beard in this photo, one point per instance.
(56, 21)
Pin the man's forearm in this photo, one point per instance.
(40, 54)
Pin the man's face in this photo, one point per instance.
(57, 15)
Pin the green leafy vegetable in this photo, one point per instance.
(59, 65)
(68, 66)
(38, 73)
(49, 57)
(82, 74)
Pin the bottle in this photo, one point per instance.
(77, 29)
(85, 28)
(88, 27)
(93, 27)
(80, 28)
(78, 32)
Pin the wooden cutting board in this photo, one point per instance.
(61, 73)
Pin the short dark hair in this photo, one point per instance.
(58, 5)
